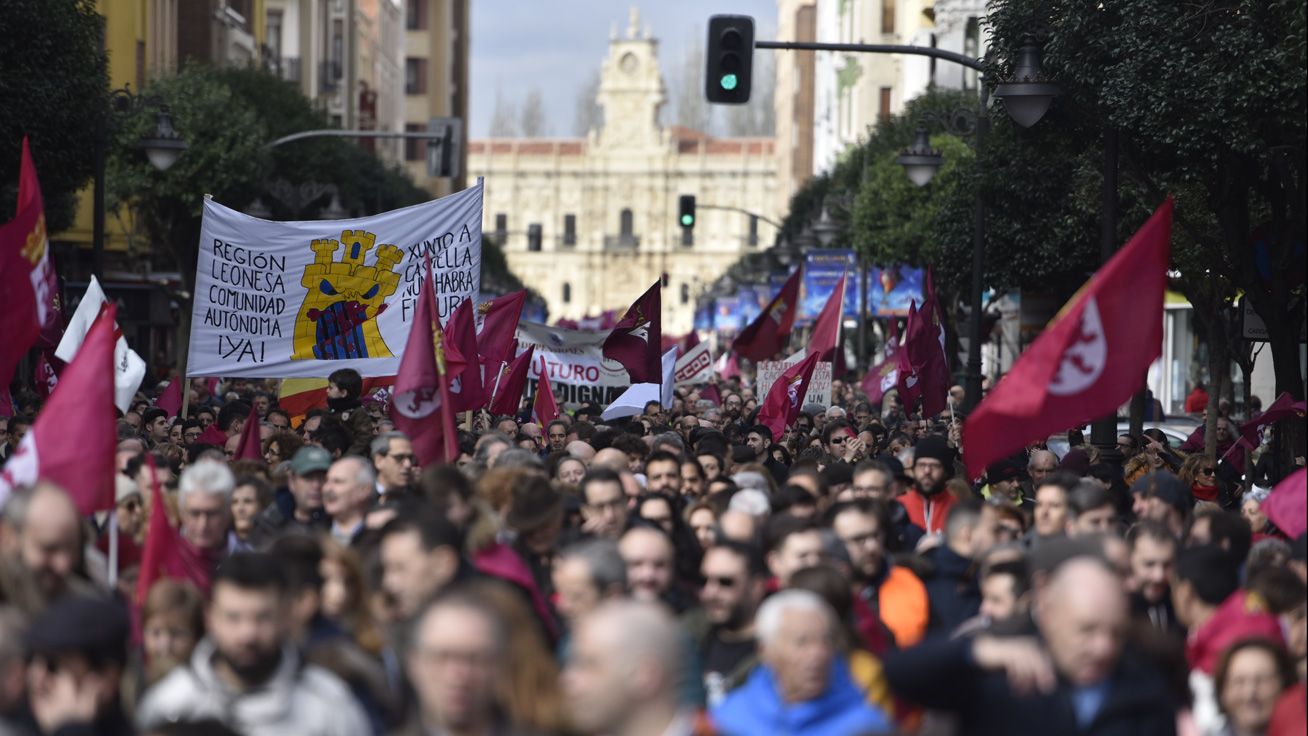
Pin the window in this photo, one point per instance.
(884, 114)
(971, 47)
(753, 229)
(685, 293)
(569, 229)
(415, 15)
(501, 228)
(534, 237)
(567, 293)
(274, 34)
(626, 224)
(415, 76)
(415, 149)
(888, 16)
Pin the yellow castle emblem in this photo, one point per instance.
(338, 319)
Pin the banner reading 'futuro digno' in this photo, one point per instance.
(575, 363)
(303, 299)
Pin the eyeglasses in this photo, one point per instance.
(401, 459)
(837, 440)
(1207, 471)
(721, 581)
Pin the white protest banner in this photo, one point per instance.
(819, 388)
(574, 359)
(696, 366)
(303, 299)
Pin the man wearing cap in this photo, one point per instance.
(298, 507)
(1004, 482)
(928, 502)
(77, 653)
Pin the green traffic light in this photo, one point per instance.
(687, 220)
(729, 82)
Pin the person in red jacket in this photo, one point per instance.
(928, 502)
(1197, 401)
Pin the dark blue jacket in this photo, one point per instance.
(755, 709)
(952, 590)
(940, 674)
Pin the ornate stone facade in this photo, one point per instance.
(606, 205)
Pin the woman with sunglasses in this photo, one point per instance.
(1199, 472)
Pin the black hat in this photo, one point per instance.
(935, 447)
(96, 628)
(1167, 487)
(1004, 470)
(743, 454)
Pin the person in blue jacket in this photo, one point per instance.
(802, 685)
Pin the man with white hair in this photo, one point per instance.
(803, 686)
(204, 496)
(346, 496)
(628, 685)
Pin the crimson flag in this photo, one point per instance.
(728, 366)
(637, 339)
(422, 389)
(544, 409)
(28, 287)
(250, 446)
(884, 376)
(922, 365)
(1287, 506)
(212, 436)
(826, 330)
(690, 340)
(767, 334)
(167, 554)
(710, 393)
(171, 398)
(784, 399)
(72, 441)
(1284, 406)
(462, 359)
(499, 323)
(513, 381)
(1090, 358)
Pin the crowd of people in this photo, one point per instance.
(679, 572)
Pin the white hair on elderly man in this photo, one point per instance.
(206, 476)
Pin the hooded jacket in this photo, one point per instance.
(952, 589)
(298, 699)
(756, 709)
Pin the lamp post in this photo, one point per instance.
(162, 147)
(1026, 99)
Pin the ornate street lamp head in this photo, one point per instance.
(1028, 94)
(166, 144)
(921, 161)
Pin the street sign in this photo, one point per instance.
(1254, 329)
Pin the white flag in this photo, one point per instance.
(129, 369)
(632, 401)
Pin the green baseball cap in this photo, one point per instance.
(310, 459)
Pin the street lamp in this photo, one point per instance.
(166, 144)
(921, 161)
(162, 148)
(1027, 97)
(825, 229)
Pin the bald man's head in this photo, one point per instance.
(43, 533)
(614, 679)
(1082, 613)
(610, 457)
(581, 450)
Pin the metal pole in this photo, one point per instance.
(874, 48)
(862, 314)
(972, 389)
(1103, 432)
(97, 207)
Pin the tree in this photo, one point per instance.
(54, 91)
(1210, 103)
(588, 115)
(503, 117)
(534, 123)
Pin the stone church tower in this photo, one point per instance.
(606, 205)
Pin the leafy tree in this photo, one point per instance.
(1210, 102)
(53, 82)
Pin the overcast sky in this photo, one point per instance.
(555, 45)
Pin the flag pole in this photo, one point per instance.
(113, 548)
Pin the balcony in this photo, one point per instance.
(286, 67)
(621, 242)
(329, 75)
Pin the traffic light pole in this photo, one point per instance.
(741, 210)
(874, 48)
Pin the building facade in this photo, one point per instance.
(591, 223)
(796, 21)
(435, 76)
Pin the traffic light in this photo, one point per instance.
(730, 59)
(686, 211)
